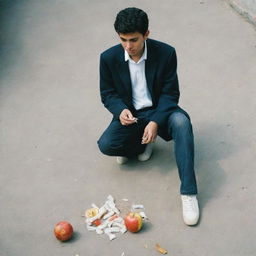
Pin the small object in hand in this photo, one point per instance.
(63, 231)
(135, 119)
(160, 249)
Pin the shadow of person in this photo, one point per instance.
(162, 159)
(213, 143)
(11, 19)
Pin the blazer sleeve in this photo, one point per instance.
(109, 96)
(169, 94)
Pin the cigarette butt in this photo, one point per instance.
(160, 249)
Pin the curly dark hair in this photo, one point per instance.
(131, 20)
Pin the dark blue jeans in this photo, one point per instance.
(120, 140)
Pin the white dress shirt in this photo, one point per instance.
(141, 97)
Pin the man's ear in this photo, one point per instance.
(146, 35)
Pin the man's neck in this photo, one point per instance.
(136, 58)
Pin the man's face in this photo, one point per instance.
(133, 43)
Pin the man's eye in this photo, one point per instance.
(134, 40)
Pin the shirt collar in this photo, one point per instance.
(143, 57)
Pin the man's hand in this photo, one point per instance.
(150, 133)
(126, 117)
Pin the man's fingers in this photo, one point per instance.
(145, 134)
(148, 137)
(125, 121)
(126, 115)
(145, 137)
(130, 116)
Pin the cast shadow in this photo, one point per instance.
(11, 20)
(213, 143)
(162, 159)
(75, 237)
(147, 226)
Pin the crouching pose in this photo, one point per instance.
(139, 86)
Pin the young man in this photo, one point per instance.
(139, 86)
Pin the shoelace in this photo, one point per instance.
(188, 204)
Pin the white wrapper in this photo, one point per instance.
(137, 206)
(112, 230)
(111, 236)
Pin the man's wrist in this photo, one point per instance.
(154, 123)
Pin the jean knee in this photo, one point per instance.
(109, 147)
(104, 145)
(180, 121)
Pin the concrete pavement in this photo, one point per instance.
(51, 118)
(247, 8)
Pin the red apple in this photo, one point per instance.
(63, 230)
(133, 221)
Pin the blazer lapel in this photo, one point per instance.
(150, 69)
(124, 74)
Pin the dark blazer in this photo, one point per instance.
(161, 77)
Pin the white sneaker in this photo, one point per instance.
(147, 153)
(121, 159)
(190, 209)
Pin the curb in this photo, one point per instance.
(243, 11)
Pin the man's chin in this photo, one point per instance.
(133, 53)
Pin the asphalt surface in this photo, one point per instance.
(51, 117)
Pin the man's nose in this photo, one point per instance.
(128, 46)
